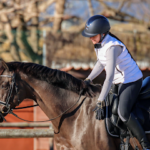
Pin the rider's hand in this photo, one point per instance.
(87, 88)
(99, 110)
(88, 81)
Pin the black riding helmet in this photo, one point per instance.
(96, 24)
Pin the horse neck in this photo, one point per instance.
(51, 99)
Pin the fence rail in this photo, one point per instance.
(25, 124)
(26, 133)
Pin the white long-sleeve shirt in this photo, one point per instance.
(112, 54)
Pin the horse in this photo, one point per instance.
(55, 91)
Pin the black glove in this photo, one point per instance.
(87, 88)
(88, 81)
(99, 110)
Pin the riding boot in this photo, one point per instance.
(135, 127)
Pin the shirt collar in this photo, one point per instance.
(98, 45)
(105, 40)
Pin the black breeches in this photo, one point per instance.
(128, 94)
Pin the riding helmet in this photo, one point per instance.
(96, 24)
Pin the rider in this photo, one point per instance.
(121, 70)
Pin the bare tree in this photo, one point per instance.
(59, 11)
(90, 8)
(23, 19)
(117, 14)
(7, 28)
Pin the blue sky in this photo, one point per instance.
(80, 8)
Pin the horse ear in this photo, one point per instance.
(3, 66)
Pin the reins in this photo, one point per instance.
(11, 111)
(26, 107)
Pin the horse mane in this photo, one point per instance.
(52, 76)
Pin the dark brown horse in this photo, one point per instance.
(55, 91)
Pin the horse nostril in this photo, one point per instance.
(4, 109)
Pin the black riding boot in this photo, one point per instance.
(137, 130)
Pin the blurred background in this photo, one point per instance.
(48, 32)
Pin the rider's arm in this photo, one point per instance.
(111, 57)
(98, 68)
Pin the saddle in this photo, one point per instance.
(141, 110)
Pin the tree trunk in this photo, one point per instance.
(90, 8)
(34, 36)
(59, 11)
(14, 50)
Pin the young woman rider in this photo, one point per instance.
(121, 70)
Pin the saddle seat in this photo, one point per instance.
(141, 110)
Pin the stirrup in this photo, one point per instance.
(125, 145)
(122, 143)
(134, 142)
(145, 144)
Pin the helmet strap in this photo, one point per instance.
(103, 36)
(98, 45)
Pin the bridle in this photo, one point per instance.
(10, 111)
(6, 104)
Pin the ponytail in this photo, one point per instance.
(121, 42)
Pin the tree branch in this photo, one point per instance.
(90, 8)
(114, 14)
(121, 5)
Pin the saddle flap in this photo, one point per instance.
(115, 105)
(145, 90)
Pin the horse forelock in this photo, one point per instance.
(52, 76)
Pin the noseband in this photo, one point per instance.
(6, 104)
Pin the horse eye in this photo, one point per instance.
(5, 86)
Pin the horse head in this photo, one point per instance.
(10, 95)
